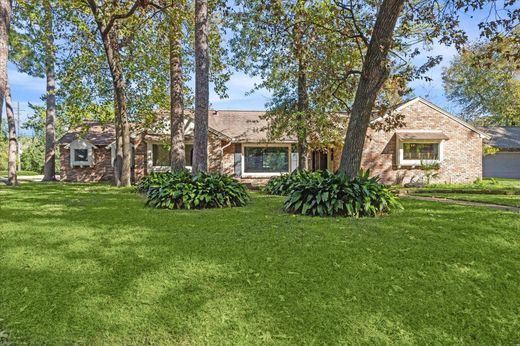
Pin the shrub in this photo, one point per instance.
(283, 184)
(184, 191)
(159, 179)
(330, 194)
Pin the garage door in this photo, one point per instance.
(502, 165)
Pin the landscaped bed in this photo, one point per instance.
(90, 264)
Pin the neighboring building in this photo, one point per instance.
(239, 145)
(505, 163)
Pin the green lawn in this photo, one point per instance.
(511, 200)
(89, 264)
(21, 173)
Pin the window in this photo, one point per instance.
(81, 155)
(266, 160)
(161, 155)
(421, 151)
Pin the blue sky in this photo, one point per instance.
(27, 89)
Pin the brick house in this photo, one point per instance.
(239, 145)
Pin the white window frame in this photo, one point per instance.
(416, 163)
(112, 147)
(149, 158)
(264, 175)
(81, 144)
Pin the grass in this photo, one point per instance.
(510, 200)
(89, 264)
(21, 173)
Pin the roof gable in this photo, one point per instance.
(443, 112)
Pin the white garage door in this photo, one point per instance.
(502, 165)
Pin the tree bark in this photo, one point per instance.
(49, 169)
(200, 145)
(13, 143)
(5, 23)
(302, 105)
(108, 33)
(178, 160)
(374, 73)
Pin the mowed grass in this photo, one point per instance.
(510, 200)
(89, 264)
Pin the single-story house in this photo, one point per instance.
(239, 144)
(506, 162)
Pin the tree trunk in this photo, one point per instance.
(49, 169)
(200, 156)
(122, 174)
(13, 143)
(303, 97)
(5, 23)
(178, 160)
(375, 72)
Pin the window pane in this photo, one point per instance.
(266, 160)
(161, 155)
(421, 151)
(188, 152)
(81, 155)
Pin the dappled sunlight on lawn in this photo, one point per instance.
(90, 264)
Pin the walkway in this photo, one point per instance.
(467, 203)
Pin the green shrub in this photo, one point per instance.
(159, 179)
(184, 191)
(282, 184)
(329, 194)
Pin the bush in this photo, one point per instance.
(283, 184)
(183, 191)
(160, 179)
(330, 194)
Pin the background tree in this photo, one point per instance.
(13, 143)
(5, 23)
(486, 86)
(200, 143)
(34, 52)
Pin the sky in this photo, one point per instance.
(27, 89)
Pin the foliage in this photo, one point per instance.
(430, 170)
(486, 87)
(282, 185)
(490, 150)
(181, 190)
(329, 194)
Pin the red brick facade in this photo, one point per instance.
(461, 153)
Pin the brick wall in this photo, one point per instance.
(102, 169)
(462, 162)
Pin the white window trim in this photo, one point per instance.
(264, 175)
(79, 144)
(417, 163)
(149, 158)
(112, 147)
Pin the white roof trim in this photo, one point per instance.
(80, 140)
(444, 112)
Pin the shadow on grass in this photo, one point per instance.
(89, 264)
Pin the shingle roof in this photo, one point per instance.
(95, 133)
(504, 137)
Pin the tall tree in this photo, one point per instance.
(394, 26)
(13, 143)
(106, 18)
(49, 169)
(375, 72)
(200, 144)
(485, 86)
(175, 40)
(5, 22)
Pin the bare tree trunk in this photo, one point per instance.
(303, 108)
(13, 143)
(375, 72)
(49, 169)
(5, 23)
(108, 33)
(200, 156)
(178, 160)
